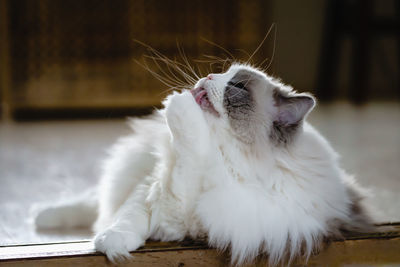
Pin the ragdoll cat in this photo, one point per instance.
(232, 159)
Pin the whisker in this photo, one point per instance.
(173, 80)
(262, 63)
(155, 75)
(185, 59)
(199, 71)
(244, 52)
(175, 65)
(179, 88)
(273, 49)
(171, 70)
(260, 45)
(224, 64)
(219, 46)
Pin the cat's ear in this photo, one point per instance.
(291, 108)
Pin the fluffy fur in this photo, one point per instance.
(233, 160)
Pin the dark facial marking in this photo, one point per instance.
(242, 79)
(238, 101)
(239, 85)
(237, 98)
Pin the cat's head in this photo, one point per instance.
(252, 104)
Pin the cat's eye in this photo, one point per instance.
(239, 85)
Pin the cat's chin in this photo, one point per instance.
(201, 96)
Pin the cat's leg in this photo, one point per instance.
(190, 145)
(131, 160)
(76, 212)
(129, 229)
(189, 130)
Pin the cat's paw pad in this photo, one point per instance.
(116, 244)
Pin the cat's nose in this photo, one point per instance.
(209, 77)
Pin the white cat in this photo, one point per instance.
(234, 160)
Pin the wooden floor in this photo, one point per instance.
(374, 249)
(47, 161)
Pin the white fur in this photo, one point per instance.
(184, 172)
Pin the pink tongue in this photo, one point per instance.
(198, 94)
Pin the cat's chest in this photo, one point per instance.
(234, 164)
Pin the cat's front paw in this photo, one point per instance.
(117, 244)
(180, 106)
(185, 118)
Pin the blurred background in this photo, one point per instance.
(68, 78)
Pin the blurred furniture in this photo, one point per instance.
(76, 58)
(355, 19)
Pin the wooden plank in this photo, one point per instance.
(167, 258)
(371, 249)
(365, 251)
(85, 248)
